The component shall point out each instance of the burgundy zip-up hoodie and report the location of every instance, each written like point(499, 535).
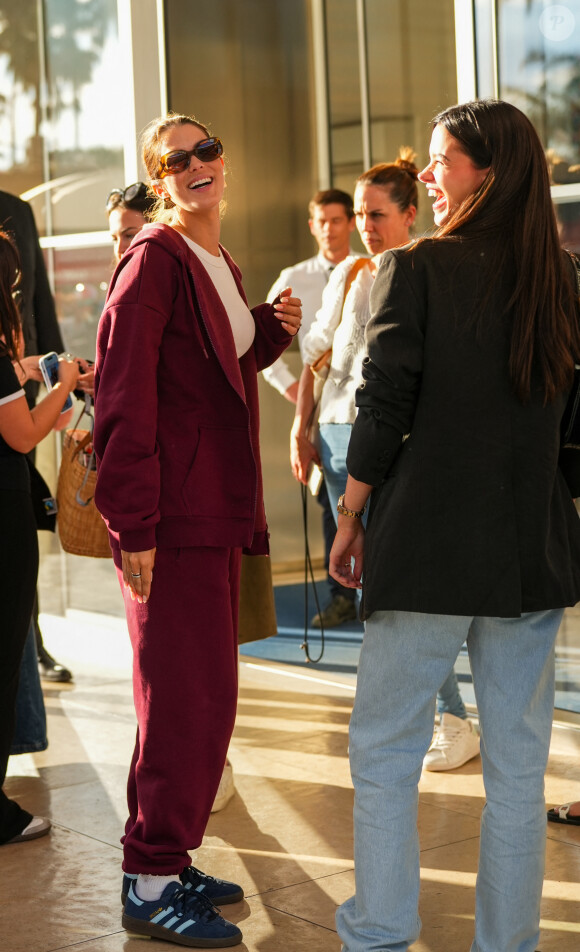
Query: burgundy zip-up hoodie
point(176, 411)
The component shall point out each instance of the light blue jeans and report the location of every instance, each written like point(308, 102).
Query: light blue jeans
point(404, 658)
point(334, 439)
point(449, 700)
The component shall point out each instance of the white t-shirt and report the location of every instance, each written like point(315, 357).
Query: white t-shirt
point(241, 320)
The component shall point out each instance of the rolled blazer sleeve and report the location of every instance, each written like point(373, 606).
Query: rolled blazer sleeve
point(392, 369)
point(126, 407)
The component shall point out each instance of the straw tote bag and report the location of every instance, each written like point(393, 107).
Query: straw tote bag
point(81, 527)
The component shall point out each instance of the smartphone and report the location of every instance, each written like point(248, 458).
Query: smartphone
point(314, 477)
point(49, 370)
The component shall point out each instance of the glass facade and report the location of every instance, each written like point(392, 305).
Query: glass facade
point(539, 71)
point(64, 138)
point(252, 85)
point(528, 52)
point(63, 141)
point(80, 284)
point(391, 68)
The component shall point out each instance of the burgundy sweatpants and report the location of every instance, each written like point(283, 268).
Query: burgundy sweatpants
point(185, 682)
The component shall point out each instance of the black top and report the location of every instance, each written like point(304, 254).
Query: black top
point(13, 466)
point(37, 310)
point(470, 514)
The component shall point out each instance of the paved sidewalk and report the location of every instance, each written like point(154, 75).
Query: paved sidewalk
point(286, 836)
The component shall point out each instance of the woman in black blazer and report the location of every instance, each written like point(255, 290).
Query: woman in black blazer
point(472, 532)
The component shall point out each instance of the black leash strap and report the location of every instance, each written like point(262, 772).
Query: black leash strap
point(309, 573)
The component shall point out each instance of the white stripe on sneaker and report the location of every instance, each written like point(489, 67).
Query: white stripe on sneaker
point(163, 914)
point(134, 897)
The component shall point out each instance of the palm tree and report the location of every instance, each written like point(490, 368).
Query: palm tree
point(74, 34)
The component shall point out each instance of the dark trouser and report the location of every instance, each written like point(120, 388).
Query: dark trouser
point(185, 682)
point(18, 572)
point(37, 632)
point(30, 728)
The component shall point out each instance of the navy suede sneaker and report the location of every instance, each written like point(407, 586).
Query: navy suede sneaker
point(182, 916)
point(218, 891)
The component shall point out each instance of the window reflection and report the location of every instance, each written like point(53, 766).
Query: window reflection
point(539, 71)
point(568, 216)
point(20, 108)
point(81, 278)
point(62, 152)
point(84, 140)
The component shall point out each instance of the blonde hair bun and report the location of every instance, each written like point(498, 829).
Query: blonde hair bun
point(406, 160)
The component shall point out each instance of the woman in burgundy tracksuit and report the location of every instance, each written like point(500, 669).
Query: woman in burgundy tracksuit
point(180, 487)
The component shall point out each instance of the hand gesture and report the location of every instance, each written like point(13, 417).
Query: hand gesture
point(348, 546)
point(289, 311)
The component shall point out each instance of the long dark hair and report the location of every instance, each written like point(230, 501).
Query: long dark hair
point(513, 205)
point(9, 281)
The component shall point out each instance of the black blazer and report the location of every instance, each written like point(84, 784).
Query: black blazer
point(470, 514)
point(39, 321)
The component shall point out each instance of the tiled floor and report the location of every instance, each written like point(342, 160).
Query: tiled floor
point(286, 835)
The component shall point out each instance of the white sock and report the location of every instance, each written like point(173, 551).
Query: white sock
point(149, 887)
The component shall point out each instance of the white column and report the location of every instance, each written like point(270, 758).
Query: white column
point(465, 51)
point(322, 117)
point(143, 86)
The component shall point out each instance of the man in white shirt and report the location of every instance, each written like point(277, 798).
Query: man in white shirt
point(331, 223)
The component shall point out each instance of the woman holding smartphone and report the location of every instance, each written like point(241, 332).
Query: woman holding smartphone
point(20, 430)
point(180, 486)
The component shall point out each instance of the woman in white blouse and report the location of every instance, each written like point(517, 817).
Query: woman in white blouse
point(385, 203)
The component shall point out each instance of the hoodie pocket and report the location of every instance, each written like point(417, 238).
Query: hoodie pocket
point(222, 476)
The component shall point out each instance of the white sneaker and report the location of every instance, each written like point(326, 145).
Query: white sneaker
point(225, 790)
point(38, 826)
point(455, 742)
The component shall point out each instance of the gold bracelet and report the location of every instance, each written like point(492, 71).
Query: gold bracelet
point(351, 513)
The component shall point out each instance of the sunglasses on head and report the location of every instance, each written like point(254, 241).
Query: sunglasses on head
point(173, 162)
point(137, 193)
